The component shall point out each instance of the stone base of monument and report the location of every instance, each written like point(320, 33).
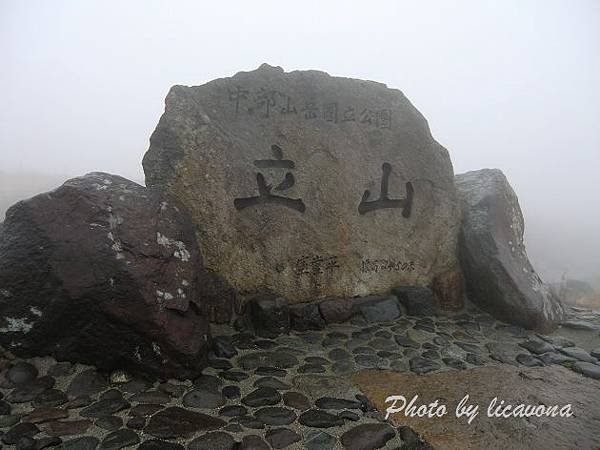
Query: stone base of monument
point(269, 315)
point(295, 390)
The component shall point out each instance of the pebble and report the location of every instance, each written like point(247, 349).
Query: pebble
point(86, 383)
point(337, 403)
point(319, 440)
point(120, 439)
point(155, 444)
point(21, 373)
point(109, 423)
point(253, 442)
point(81, 443)
point(217, 440)
point(274, 415)
point(270, 371)
point(199, 398)
point(263, 396)
point(296, 400)
point(231, 392)
point(537, 347)
point(588, 369)
point(423, 365)
point(281, 437)
point(578, 353)
point(529, 360)
point(367, 436)
point(175, 422)
point(18, 431)
point(320, 419)
point(272, 383)
point(233, 411)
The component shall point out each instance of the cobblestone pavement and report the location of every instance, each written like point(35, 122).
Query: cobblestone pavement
point(289, 392)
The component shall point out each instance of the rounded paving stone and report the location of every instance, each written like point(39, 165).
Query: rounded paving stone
point(156, 444)
point(217, 440)
point(455, 363)
point(296, 400)
point(61, 369)
point(529, 360)
point(338, 354)
point(319, 440)
point(81, 443)
point(233, 375)
point(587, 369)
point(278, 359)
point(109, 423)
point(537, 347)
point(22, 372)
point(274, 415)
point(423, 365)
point(474, 359)
point(136, 423)
point(155, 397)
point(272, 383)
point(120, 439)
point(405, 341)
point(208, 382)
point(18, 431)
point(253, 442)
point(367, 436)
point(249, 422)
point(86, 383)
point(233, 411)
point(349, 415)
point(231, 392)
point(198, 398)
point(26, 443)
point(5, 408)
point(270, 371)
point(311, 368)
point(263, 396)
point(317, 418)
point(337, 403)
point(282, 437)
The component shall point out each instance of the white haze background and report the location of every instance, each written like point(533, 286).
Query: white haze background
point(511, 84)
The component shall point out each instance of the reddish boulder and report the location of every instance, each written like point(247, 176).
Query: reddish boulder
point(106, 272)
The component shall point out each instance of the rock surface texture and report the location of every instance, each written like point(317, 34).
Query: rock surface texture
point(547, 386)
point(498, 274)
point(104, 271)
point(306, 185)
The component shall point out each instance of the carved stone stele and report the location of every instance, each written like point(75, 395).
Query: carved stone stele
point(307, 185)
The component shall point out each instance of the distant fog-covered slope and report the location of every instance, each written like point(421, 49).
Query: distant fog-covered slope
point(22, 185)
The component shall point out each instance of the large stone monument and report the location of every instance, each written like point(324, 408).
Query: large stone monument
point(307, 185)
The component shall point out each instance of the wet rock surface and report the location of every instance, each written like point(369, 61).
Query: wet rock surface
point(119, 261)
point(499, 277)
point(254, 177)
point(549, 386)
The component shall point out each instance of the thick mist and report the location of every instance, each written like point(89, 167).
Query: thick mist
point(513, 85)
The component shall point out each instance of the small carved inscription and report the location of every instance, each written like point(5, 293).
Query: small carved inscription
point(368, 265)
point(267, 103)
point(316, 265)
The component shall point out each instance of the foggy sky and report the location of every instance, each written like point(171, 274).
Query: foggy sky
point(511, 84)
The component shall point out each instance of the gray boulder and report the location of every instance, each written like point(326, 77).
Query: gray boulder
point(308, 185)
point(498, 275)
point(418, 301)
